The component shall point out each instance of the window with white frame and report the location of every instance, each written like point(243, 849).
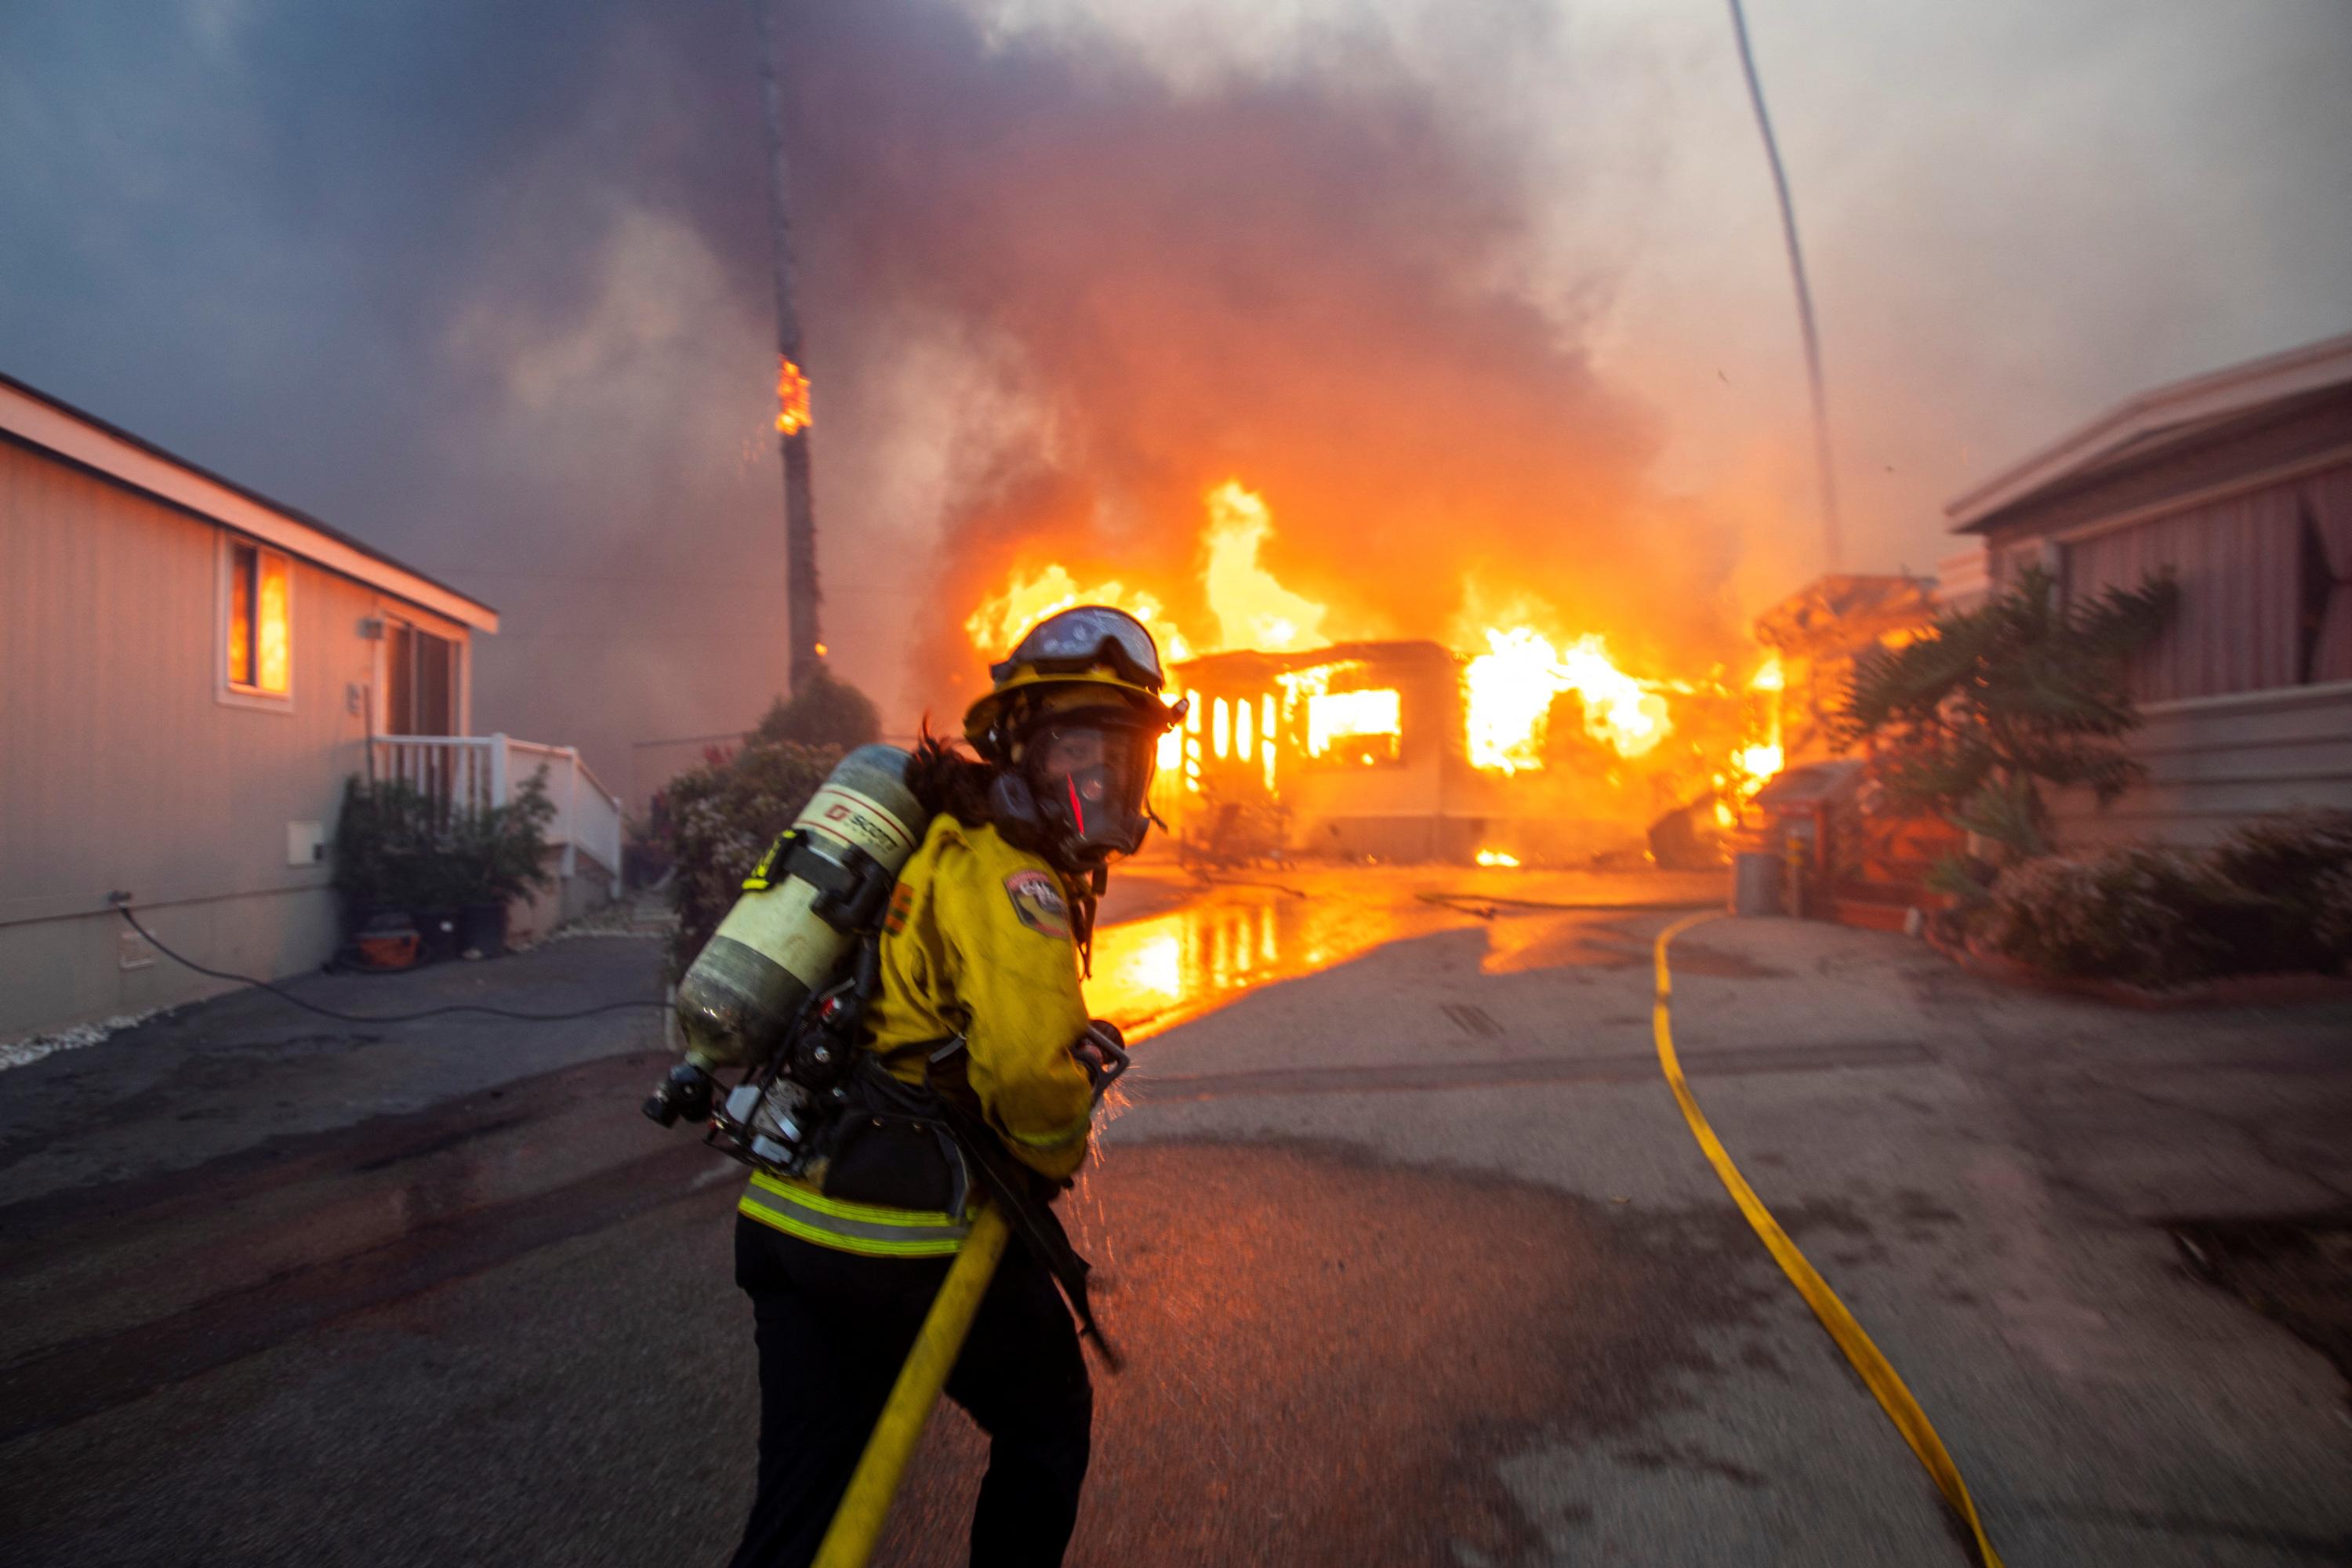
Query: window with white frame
point(257, 601)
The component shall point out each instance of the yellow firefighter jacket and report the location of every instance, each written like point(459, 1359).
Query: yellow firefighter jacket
point(978, 942)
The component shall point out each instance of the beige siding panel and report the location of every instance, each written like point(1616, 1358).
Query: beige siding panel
point(2211, 765)
point(2235, 561)
point(2263, 718)
point(2313, 757)
point(2241, 564)
point(122, 768)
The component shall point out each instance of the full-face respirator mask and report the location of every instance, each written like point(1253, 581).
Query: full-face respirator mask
point(1075, 783)
point(1073, 724)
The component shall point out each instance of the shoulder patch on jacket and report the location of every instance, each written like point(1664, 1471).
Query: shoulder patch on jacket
point(1038, 903)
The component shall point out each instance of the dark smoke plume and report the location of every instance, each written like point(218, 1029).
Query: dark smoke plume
point(489, 286)
point(1287, 279)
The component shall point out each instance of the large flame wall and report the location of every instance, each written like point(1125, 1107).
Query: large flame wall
point(1404, 747)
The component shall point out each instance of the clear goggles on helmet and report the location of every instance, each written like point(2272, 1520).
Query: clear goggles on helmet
point(1089, 772)
point(1084, 637)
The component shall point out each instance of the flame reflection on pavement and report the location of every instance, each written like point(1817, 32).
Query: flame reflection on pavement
point(1152, 974)
point(1223, 939)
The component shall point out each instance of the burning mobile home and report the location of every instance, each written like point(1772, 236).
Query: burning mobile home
point(1408, 750)
point(1351, 748)
point(1533, 747)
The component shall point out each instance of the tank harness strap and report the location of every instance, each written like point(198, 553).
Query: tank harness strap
point(763, 875)
point(851, 885)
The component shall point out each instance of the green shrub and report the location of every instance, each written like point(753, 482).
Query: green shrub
point(722, 817)
point(1974, 719)
point(383, 839)
point(2142, 915)
point(2274, 896)
point(398, 845)
point(500, 854)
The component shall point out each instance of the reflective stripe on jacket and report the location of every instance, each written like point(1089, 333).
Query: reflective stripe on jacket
point(977, 943)
point(798, 1209)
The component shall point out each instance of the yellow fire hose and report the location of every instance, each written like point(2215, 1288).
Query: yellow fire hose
point(856, 1525)
point(857, 1522)
point(1876, 1371)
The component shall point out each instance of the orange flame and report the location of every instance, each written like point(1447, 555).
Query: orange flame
point(792, 397)
point(1363, 724)
point(1333, 716)
point(1028, 599)
point(1509, 691)
point(1756, 763)
point(1252, 609)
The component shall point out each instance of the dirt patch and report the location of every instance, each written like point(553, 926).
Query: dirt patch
point(2295, 1272)
point(1312, 1378)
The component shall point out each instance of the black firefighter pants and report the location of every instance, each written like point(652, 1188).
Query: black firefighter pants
point(834, 1328)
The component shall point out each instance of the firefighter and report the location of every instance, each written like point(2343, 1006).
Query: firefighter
point(982, 945)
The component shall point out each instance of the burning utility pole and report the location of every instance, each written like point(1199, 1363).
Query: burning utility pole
point(801, 595)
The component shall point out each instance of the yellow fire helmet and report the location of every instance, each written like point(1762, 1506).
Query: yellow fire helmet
point(1072, 722)
point(1090, 657)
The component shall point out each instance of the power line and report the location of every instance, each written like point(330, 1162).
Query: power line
point(285, 996)
point(1832, 546)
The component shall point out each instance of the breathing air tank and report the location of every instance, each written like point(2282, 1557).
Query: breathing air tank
point(825, 879)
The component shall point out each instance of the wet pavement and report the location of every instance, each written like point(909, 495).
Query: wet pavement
point(1410, 1257)
point(1202, 943)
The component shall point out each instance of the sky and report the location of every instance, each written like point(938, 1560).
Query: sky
point(1479, 297)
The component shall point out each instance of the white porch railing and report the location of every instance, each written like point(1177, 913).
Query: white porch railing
point(476, 772)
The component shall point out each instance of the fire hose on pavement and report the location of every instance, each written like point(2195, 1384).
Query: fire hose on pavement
point(1867, 1360)
point(856, 1525)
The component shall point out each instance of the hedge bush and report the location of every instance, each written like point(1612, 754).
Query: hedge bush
point(2275, 896)
point(395, 843)
point(2299, 863)
point(2139, 915)
point(722, 817)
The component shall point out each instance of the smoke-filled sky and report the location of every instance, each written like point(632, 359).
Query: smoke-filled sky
point(1480, 297)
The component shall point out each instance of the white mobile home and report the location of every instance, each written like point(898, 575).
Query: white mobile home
point(189, 672)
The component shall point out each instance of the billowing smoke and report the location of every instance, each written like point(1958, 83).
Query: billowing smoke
point(1290, 278)
point(1467, 292)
